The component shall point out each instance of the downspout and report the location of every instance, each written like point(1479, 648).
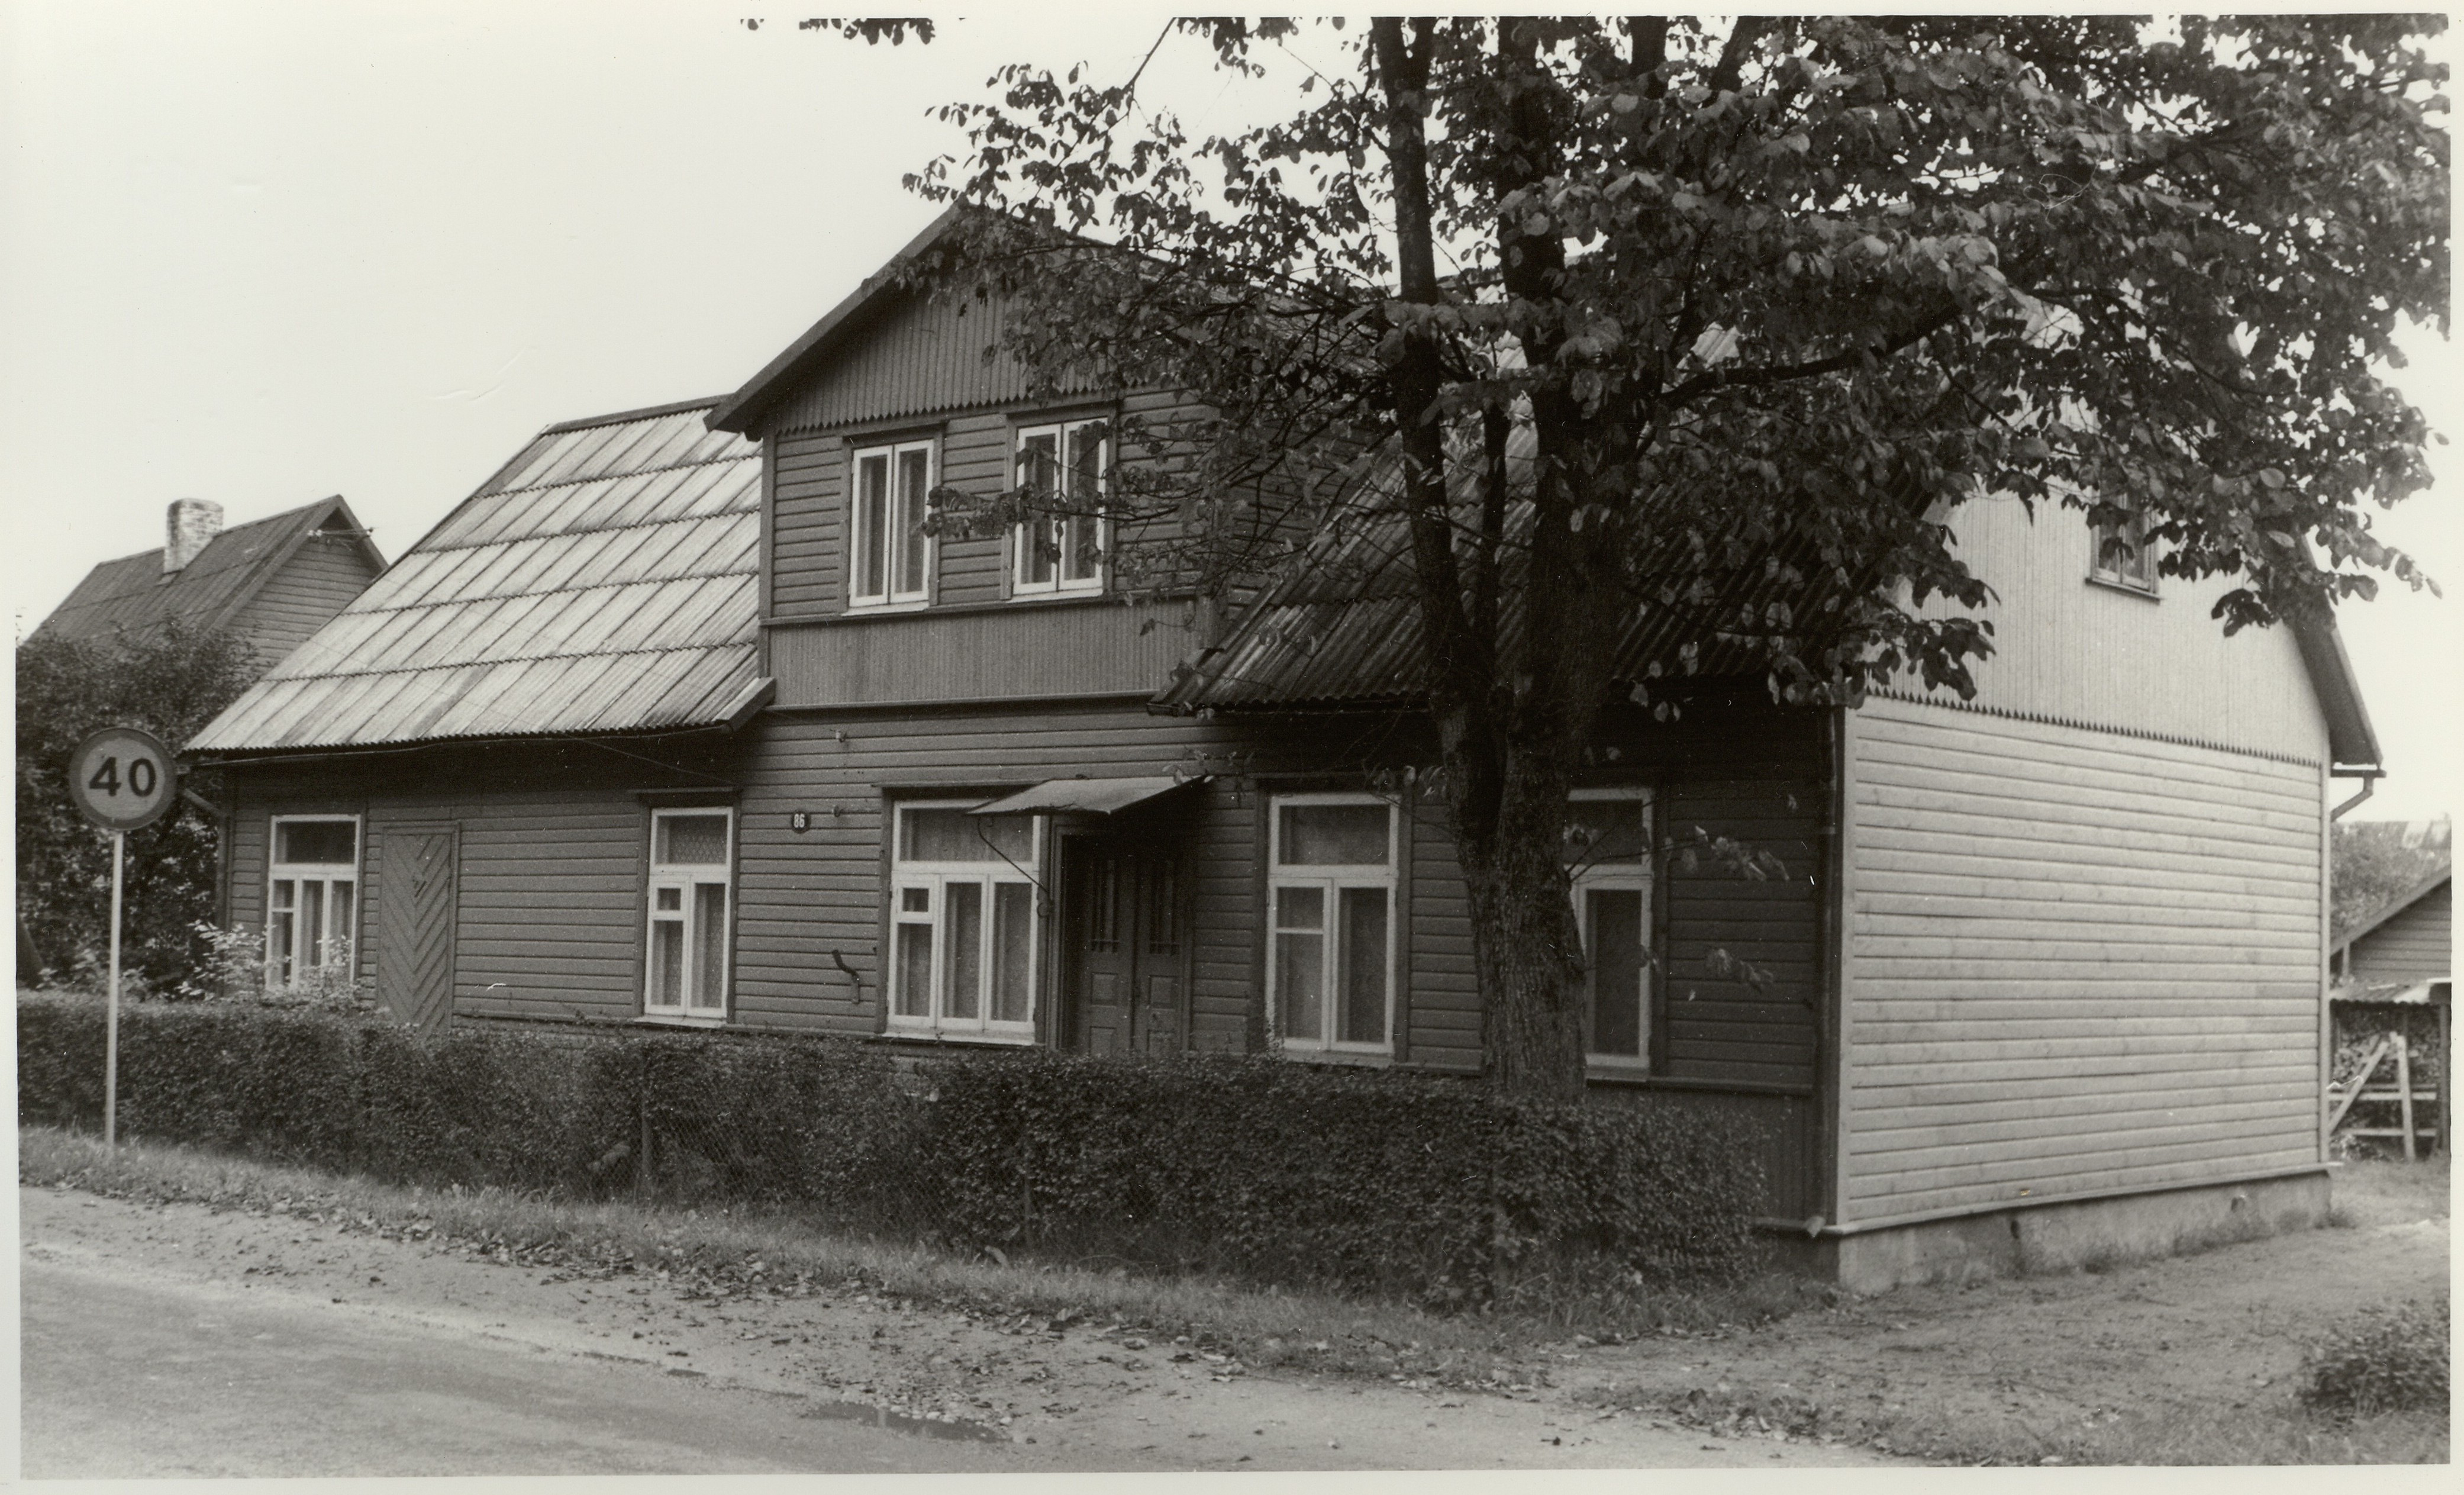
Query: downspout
point(2370, 782)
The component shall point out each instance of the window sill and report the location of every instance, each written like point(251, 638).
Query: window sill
point(936, 1036)
point(2146, 594)
point(679, 1019)
point(1611, 1071)
point(1068, 594)
point(1360, 1059)
point(856, 609)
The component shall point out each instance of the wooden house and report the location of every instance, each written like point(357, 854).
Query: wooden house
point(686, 717)
point(273, 581)
point(2393, 984)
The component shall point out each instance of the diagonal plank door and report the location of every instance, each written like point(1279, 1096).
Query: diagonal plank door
point(415, 906)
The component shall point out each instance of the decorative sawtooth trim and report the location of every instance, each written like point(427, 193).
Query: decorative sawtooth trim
point(2047, 718)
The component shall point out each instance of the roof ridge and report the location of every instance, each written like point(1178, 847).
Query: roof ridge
point(620, 417)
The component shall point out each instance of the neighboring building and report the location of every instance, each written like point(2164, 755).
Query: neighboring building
point(2408, 945)
point(686, 717)
point(273, 582)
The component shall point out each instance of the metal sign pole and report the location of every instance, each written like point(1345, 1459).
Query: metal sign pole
point(111, 1041)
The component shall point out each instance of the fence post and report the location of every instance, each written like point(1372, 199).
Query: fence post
point(2404, 1089)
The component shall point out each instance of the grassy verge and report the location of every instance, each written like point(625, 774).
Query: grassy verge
point(738, 1250)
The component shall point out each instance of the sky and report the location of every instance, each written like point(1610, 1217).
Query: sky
point(259, 253)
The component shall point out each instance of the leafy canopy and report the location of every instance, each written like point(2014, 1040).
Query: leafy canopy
point(1810, 284)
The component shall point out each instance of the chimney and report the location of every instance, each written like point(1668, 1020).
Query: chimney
point(191, 525)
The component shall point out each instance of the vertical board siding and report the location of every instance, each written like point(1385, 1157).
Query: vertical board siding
point(2416, 945)
point(319, 580)
point(2076, 961)
point(1040, 649)
point(2068, 649)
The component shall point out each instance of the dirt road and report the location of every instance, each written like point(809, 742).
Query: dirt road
point(265, 1345)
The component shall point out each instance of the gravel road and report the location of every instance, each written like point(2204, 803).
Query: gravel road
point(174, 1339)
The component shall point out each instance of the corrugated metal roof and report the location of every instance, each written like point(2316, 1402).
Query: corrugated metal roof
point(132, 593)
point(607, 579)
point(1344, 631)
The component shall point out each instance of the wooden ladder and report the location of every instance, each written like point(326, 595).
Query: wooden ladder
point(2401, 1092)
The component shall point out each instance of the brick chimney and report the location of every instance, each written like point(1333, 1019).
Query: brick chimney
point(191, 525)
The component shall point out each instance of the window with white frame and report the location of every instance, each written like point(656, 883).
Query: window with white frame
point(1608, 861)
point(1330, 903)
point(2122, 556)
point(689, 858)
point(890, 556)
point(1061, 465)
point(312, 895)
point(963, 922)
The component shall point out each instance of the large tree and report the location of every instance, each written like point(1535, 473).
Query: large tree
point(1723, 320)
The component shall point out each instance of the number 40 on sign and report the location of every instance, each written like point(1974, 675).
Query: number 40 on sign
point(122, 779)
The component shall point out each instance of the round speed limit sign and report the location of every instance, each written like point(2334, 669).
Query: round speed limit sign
point(123, 778)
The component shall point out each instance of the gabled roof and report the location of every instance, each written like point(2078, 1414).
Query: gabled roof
point(606, 579)
point(1344, 631)
point(208, 592)
point(2423, 889)
point(741, 411)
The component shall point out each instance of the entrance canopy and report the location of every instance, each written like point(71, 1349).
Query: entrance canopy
point(1082, 795)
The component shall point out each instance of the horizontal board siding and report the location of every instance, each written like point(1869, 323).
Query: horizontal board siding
point(319, 580)
point(1037, 649)
point(2066, 648)
point(2063, 977)
point(1755, 1020)
point(808, 525)
point(2416, 945)
point(549, 896)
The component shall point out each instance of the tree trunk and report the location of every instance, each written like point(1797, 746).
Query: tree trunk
point(1527, 947)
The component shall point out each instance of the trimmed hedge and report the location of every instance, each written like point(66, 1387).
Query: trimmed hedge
point(1365, 1180)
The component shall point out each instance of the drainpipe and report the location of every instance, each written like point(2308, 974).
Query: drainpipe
point(2369, 781)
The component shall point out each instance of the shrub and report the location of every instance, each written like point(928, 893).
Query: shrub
point(1399, 1184)
point(2394, 1360)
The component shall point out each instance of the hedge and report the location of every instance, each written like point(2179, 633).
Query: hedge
point(1392, 1183)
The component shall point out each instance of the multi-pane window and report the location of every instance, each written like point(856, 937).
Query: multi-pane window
point(1331, 902)
point(312, 895)
point(962, 923)
point(889, 557)
point(1607, 857)
point(2122, 555)
point(1061, 467)
point(689, 857)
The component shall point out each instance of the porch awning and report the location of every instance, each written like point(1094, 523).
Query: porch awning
point(1082, 796)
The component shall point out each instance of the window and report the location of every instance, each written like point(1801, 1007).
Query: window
point(963, 923)
point(889, 557)
point(689, 857)
point(314, 879)
point(2124, 556)
point(1062, 466)
point(1331, 901)
point(1608, 859)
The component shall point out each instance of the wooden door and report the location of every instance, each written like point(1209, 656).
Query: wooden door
point(1123, 946)
point(416, 907)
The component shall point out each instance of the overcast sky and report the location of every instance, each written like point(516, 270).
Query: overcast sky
point(260, 253)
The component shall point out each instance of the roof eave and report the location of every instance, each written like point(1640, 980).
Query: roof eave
point(2352, 743)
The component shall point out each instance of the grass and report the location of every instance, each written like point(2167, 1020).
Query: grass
point(742, 1251)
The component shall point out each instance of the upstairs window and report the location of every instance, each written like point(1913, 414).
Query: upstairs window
point(889, 553)
point(1061, 465)
point(2124, 556)
point(690, 862)
point(962, 923)
point(1608, 861)
point(312, 896)
point(1331, 898)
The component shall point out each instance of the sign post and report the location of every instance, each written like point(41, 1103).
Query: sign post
point(122, 779)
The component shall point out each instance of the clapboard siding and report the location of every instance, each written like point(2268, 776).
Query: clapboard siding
point(2068, 649)
point(2075, 960)
point(319, 580)
point(2416, 945)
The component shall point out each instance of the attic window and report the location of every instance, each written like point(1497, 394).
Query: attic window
point(891, 559)
point(2124, 556)
point(1061, 468)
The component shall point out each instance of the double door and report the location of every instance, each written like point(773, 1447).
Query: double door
point(1124, 946)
